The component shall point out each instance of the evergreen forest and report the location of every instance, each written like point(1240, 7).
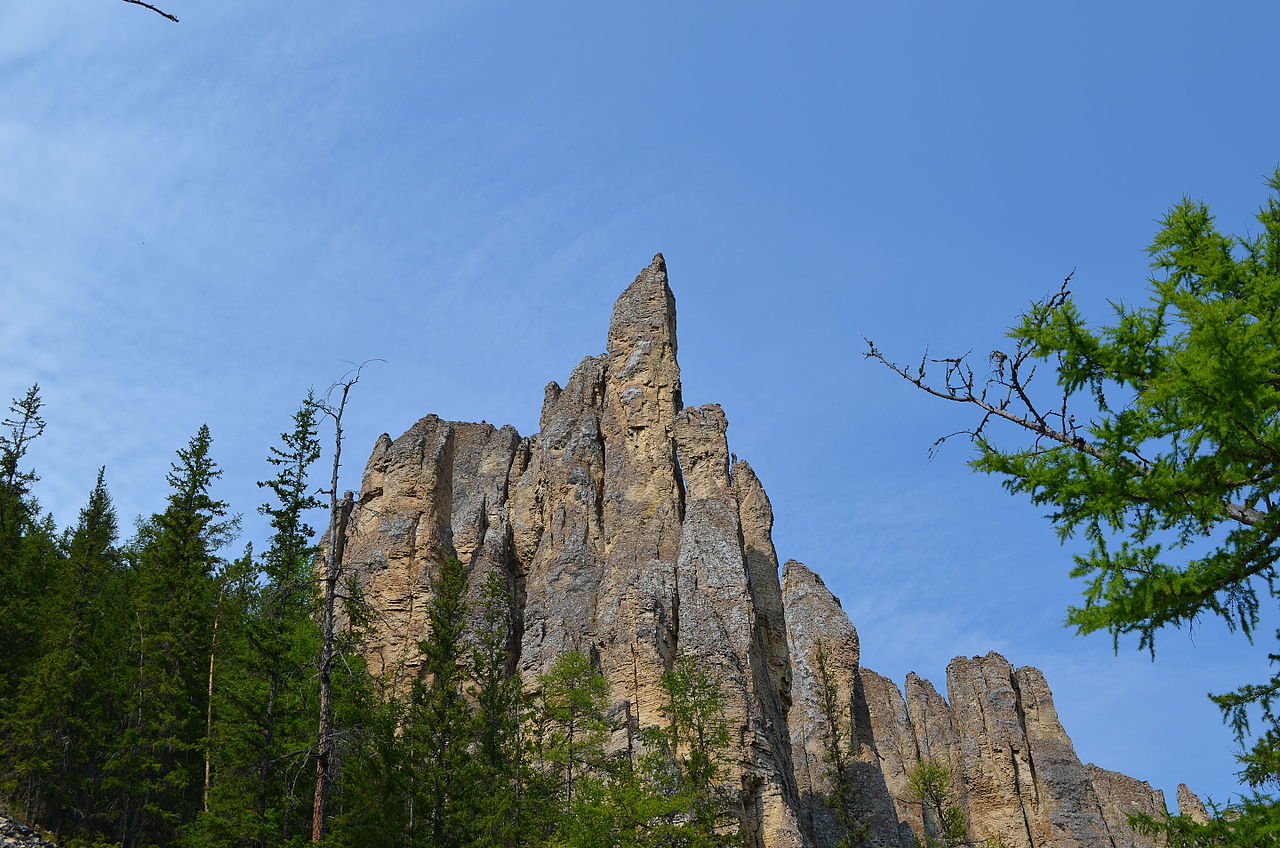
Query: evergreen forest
point(156, 690)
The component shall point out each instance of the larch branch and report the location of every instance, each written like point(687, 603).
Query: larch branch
point(964, 394)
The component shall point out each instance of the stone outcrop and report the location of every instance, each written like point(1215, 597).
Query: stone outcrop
point(1120, 796)
point(14, 834)
point(1190, 805)
point(626, 529)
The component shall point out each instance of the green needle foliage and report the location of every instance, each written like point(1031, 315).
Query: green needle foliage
point(499, 816)
point(159, 763)
point(698, 734)
point(438, 727)
point(1159, 445)
point(28, 548)
point(54, 737)
point(673, 793)
point(569, 724)
point(267, 639)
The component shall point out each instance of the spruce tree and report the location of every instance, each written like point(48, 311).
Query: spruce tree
point(498, 763)
point(264, 697)
point(439, 725)
point(371, 802)
point(28, 551)
point(156, 770)
point(64, 710)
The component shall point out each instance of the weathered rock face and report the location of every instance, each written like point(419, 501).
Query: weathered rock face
point(624, 531)
point(1119, 796)
point(1190, 805)
point(830, 721)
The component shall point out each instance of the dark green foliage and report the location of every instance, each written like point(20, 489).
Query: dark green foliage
point(371, 800)
point(159, 763)
point(267, 641)
point(1159, 445)
point(24, 426)
point(445, 766)
point(55, 733)
point(27, 549)
point(438, 726)
point(498, 764)
point(159, 695)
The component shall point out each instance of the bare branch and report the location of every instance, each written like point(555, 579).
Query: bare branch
point(960, 385)
point(964, 394)
point(162, 13)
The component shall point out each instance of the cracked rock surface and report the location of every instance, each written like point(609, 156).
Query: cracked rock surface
point(627, 530)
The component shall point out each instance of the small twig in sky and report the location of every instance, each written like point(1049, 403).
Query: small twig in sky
point(161, 12)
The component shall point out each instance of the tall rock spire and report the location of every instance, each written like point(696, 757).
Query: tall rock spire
point(624, 532)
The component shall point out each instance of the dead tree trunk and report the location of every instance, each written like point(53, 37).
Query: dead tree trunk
point(339, 512)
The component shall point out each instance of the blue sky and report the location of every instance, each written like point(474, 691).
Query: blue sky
point(198, 221)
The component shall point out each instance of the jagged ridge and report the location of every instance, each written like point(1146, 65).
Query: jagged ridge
point(626, 532)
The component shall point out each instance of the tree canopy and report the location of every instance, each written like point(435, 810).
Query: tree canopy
point(1158, 442)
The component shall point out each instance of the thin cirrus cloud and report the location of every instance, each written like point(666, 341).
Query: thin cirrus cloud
point(198, 221)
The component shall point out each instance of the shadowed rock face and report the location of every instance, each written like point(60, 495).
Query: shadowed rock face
point(1119, 796)
point(830, 708)
point(626, 529)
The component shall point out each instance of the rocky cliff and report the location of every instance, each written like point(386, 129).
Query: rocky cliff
point(626, 530)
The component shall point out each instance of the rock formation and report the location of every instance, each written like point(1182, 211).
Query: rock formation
point(14, 834)
point(1190, 805)
point(626, 531)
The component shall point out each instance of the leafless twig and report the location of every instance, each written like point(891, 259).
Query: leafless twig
point(1004, 394)
point(161, 12)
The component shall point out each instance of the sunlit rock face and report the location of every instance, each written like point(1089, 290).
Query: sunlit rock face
point(627, 530)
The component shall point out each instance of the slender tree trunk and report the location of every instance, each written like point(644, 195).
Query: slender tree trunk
point(268, 742)
point(324, 746)
point(339, 511)
point(208, 712)
point(208, 718)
